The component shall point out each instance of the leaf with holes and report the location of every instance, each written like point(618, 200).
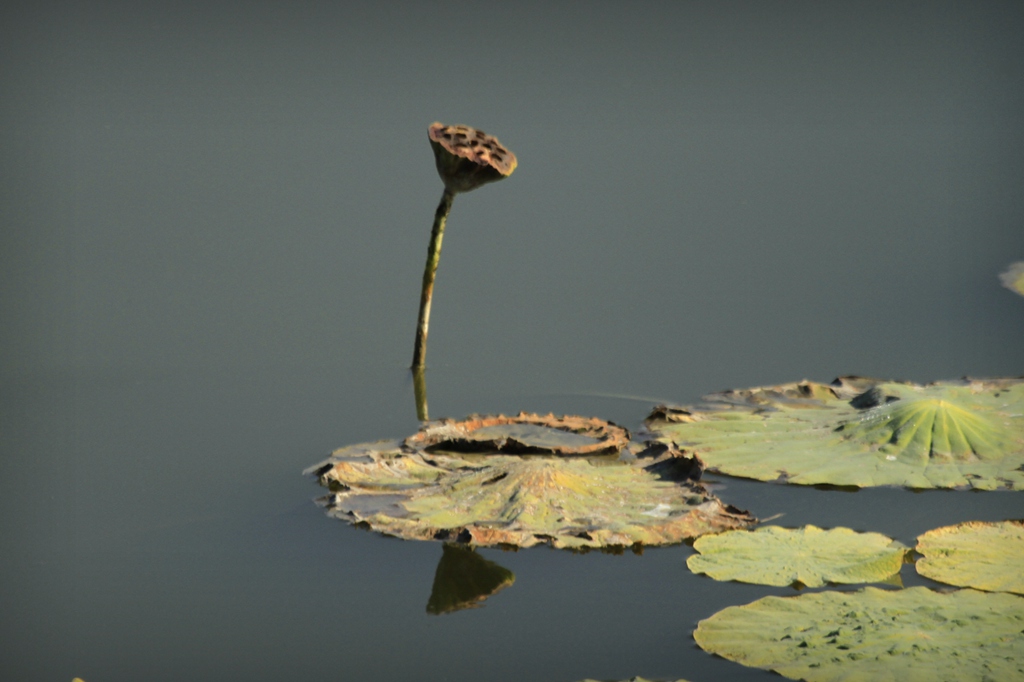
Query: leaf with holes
point(859, 432)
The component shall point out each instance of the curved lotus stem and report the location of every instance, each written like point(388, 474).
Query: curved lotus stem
point(419, 354)
point(466, 159)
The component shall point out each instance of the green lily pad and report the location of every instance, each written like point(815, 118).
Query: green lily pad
point(772, 555)
point(874, 634)
point(986, 556)
point(1013, 278)
point(859, 432)
point(486, 499)
point(464, 579)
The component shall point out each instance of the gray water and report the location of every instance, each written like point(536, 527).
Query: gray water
point(214, 220)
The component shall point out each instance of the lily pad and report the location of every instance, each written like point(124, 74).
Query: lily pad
point(522, 434)
point(635, 679)
point(859, 432)
point(497, 499)
point(464, 579)
point(1013, 278)
point(772, 555)
point(874, 634)
point(986, 556)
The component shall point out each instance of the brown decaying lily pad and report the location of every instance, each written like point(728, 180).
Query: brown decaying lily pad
point(413, 489)
point(477, 434)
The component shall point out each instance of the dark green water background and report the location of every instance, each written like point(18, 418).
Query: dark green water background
point(214, 219)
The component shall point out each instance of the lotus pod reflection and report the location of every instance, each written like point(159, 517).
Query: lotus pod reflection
point(464, 579)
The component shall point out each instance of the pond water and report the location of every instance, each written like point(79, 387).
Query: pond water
point(214, 231)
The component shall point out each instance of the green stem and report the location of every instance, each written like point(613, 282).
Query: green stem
point(419, 383)
point(419, 356)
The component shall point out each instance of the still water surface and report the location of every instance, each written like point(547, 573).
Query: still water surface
point(166, 532)
point(214, 229)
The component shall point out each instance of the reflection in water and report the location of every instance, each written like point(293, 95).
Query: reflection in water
point(419, 387)
point(464, 579)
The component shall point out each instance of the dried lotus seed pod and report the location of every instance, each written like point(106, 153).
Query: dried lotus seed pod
point(468, 158)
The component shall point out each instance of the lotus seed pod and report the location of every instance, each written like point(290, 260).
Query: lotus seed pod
point(468, 158)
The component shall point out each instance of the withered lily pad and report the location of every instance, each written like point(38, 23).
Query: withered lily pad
point(874, 634)
point(1013, 278)
point(464, 579)
point(634, 679)
point(810, 556)
point(523, 434)
point(986, 556)
point(488, 499)
point(860, 432)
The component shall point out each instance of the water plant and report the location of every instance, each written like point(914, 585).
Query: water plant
point(809, 556)
point(568, 482)
point(634, 679)
point(466, 158)
point(874, 634)
point(985, 556)
point(859, 432)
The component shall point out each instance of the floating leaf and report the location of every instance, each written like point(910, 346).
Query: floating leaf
point(464, 579)
point(495, 499)
point(860, 432)
point(772, 555)
point(522, 435)
point(635, 679)
point(987, 556)
point(874, 634)
point(1013, 278)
